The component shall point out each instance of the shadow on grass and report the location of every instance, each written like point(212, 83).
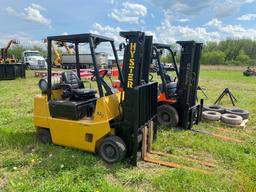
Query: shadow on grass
point(17, 139)
point(174, 129)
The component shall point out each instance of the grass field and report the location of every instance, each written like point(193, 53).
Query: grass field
point(26, 165)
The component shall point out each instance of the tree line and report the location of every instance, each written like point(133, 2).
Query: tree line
point(227, 52)
point(16, 51)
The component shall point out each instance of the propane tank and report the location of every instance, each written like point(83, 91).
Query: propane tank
point(56, 80)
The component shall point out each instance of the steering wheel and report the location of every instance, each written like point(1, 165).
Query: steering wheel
point(102, 74)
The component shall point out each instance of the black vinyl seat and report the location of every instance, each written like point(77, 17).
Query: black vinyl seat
point(170, 89)
point(84, 91)
point(74, 89)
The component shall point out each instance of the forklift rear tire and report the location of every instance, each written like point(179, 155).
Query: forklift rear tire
point(44, 136)
point(112, 149)
point(167, 115)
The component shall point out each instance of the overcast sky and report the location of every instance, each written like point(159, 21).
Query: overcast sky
point(168, 20)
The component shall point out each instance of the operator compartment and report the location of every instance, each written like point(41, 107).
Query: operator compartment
point(170, 89)
point(170, 85)
point(71, 100)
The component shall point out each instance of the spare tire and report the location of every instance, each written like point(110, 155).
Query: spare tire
point(243, 113)
point(231, 119)
point(211, 115)
point(217, 108)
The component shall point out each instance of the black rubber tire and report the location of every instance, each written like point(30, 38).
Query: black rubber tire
point(211, 115)
point(44, 136)
point(28, 67)
point(167, 115)
point(249, 73)
point(217, 108)
point(231, 119)
point(241, 112)
point(112, 149)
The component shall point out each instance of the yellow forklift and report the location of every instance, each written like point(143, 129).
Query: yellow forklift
point(57, 58)
point(115, 124)
point(105, 120)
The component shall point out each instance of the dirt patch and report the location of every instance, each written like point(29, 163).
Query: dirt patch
point(3, 182)
point(29, 149)
point(112, 179)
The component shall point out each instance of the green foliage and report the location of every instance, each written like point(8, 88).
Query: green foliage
point(213, 57)
point(243, 58)
point(17, 50)
point(236, 52)
point(41, 50)
point(211, 46)
point(227, 52)
point(166, 59)
point(252, 62)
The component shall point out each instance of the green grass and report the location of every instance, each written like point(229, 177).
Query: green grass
point(26, 165)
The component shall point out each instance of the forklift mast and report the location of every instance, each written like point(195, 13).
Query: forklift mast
point(189, 112)
point(137, 54)
point(140, 99)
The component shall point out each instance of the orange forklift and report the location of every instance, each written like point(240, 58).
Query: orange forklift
point(177, 98)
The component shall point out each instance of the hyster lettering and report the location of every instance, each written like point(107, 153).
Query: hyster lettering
point(131, 65)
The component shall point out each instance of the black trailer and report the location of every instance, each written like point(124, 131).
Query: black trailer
point(12, 71)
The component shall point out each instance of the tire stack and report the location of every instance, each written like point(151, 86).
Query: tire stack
point(233, 116)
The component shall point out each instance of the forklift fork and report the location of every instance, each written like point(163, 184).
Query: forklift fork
point(148, 152)
point(219, 136)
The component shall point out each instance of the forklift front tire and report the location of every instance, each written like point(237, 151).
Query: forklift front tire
point(112, 149)
point(167, 115)
point(44, 136)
